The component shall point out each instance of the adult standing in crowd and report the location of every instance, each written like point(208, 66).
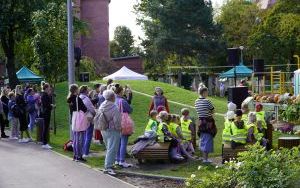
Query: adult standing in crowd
point(110, 129)
point(207, 128)
point(78, 137)
point(128, 94)
point(2, 124)
point(124, 107)
point(31, 101)
point(46, 109)
point(159, 100)
point(84, 91)
point(5, 100)
point(21, 104)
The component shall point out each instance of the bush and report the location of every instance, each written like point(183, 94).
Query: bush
point(88, 65)
point(255, 168)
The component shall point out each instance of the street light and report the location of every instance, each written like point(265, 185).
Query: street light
point(241, 48)
point(71, 69)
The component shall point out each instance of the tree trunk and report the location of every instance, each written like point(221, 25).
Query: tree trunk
point(8, 45)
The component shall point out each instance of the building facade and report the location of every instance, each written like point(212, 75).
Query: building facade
point(96, 44)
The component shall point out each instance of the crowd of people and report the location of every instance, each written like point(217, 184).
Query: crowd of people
point(242, 126)
point(19, 109)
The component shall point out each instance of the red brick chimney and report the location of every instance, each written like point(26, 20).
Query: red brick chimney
point(96, 14)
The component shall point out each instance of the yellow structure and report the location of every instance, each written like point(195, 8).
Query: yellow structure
point(277, 79)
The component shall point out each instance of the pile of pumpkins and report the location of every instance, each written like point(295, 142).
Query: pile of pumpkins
point(286, 98)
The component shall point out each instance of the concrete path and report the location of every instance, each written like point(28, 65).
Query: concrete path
point(30, 166)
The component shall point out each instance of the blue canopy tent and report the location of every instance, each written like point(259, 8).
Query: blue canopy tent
point(26, 75)
point(240, 71)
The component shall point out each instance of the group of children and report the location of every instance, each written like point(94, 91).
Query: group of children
point(175, 129)
point(242, 126)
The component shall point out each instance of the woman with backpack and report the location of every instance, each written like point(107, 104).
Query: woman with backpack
point(124, 107)
point(21, 105)
point(159, 101)
point(109, 123)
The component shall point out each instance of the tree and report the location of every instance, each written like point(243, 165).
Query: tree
point(15, 25)
point(123, 43)
point(50, 40)
point(182, 31)
point(238, 18)
point(277, 36)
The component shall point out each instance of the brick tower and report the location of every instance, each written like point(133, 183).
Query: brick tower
point(96, 14)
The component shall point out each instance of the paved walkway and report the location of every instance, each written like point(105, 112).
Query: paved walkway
point(29, 166)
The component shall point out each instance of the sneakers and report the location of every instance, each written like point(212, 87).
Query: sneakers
point(23, 140)
point(86, 156)
point(207, 161)
point(109, 171)
point(30, 140)
point(13, 138)
point(125, 165)
point(46, 146)
point(4, 136)
point(82, 160)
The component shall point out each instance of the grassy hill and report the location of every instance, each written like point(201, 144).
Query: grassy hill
point(140, 106)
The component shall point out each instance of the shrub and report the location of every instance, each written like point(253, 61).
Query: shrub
point(255, 168)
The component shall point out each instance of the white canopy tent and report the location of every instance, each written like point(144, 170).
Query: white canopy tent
point(126, 74)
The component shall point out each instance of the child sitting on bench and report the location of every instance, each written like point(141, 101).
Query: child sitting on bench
point(253, 134)
point(152, 125)
point(188, 131)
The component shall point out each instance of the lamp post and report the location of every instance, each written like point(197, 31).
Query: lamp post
point(71, 69)
point(241, 48)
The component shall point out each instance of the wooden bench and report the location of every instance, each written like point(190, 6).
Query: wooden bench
point(229, 153)
point(158, 151)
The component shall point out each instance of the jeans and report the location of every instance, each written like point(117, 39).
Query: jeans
point(14, 131)
point(87, 139)
point(32, 117)
point(78, 138)
point(111, 139)
point(122, 149)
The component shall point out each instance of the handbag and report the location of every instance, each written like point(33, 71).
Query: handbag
point(89, 116)
point(126, 122)
point(79, 120)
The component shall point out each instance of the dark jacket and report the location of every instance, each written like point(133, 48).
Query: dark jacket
point(72, 104)
point(46, 103)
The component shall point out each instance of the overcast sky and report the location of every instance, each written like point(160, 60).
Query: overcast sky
point(121, 13)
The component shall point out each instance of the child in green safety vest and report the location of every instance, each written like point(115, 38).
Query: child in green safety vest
point(238, 130)
point(260, 117)
point(227, 131)
point(152, 125)
point(245, 110)
point(188, 130)
point(253, 134)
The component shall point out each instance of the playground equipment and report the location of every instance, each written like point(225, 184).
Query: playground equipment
point(277, 79)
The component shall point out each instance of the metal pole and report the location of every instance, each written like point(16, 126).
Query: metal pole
point(71, 69)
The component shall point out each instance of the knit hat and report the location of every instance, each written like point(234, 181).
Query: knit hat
point(230, 115)
point(231, 106)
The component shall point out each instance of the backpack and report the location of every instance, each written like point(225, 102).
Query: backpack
point(100, 121)
point(68, 146)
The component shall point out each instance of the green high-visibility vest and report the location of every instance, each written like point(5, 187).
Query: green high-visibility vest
point(172, 127)
point(160, 133)
point(260, 116)
point(149, 125)
point(258, 136)
point(226, 135)
point(186, 132)
point(245, 118)
point(238, 135)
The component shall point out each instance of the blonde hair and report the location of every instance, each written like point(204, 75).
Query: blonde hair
point(18, 90)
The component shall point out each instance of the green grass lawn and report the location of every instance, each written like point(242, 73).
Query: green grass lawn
point(140, 106)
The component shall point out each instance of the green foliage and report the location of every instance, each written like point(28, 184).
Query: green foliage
point(277, 37)
point(291, 113)
point(123, 43)
point(255, 168)
point(176, 32)
point(49, 42)
point(238, 19)
point(88, 65)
